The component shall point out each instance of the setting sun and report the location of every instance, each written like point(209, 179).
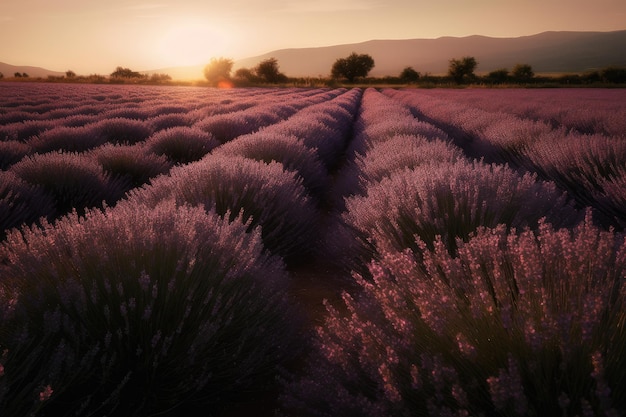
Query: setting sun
point(192, 42)
point(95, 37)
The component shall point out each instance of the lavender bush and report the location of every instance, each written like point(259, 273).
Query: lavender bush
point(71, 139)
point(122, 131)
point(21, 202)
point(516, 324)
point(400, 153)
point(181, 145)
point(11, 151)
point(265, 194)
point(133, 164)
point(73, 180)
point(139, 311)
point(452, 200)
point(289, 151)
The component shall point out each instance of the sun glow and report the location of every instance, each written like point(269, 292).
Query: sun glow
point(189, 42)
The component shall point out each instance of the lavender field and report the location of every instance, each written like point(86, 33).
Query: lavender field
point(180, 251)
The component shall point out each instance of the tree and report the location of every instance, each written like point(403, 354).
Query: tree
point(523, 72)
point(267, 70)
point(462, 69)
point(353, 66)
point(18, 75)
point(160, 78)
point(613, 75)
point(24, 75)
point(70, 74)
point(1, 75)
point(217, 70)
point(121, 72)
point(409, 75)
point(246, 74)
point(498, 76)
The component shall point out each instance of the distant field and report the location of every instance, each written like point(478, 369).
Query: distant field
point(168, 251)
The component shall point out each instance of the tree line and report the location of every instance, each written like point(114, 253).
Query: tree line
point(356, 68)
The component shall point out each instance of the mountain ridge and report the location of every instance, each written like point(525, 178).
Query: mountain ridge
point(546, 52)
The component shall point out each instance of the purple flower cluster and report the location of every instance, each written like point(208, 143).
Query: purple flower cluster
point(447, 196)
point(137, 310)
point(153, 241)
point(583, 165)
point(516, 323)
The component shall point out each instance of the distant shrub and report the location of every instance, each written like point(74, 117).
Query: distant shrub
point(265, 194)
point(21, 203)
point(140, 311)
point(515, 325)
point(289, 151)
point(181, 145)
point(75, 181)
point(134, 164)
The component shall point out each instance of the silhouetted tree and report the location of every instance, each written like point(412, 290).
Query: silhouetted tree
point(523, 72)
point(24, 75)
point(267, 70)
point(160, 78)
point(498, 76)
point(613, 75)
point(218, 69)
point(409, 75)
point(245, 74)
point(355, 65)
point(1, 75)
point(121, 72)
point(18, 75)
point(70, 74)
point(462, 69)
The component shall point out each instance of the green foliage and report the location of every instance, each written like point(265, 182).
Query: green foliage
point(462, 69)
point(409, 75)
point(245, 74)
point(160, 78)
point(267, 71)
point(499, 75)
point(523, 72)
point(121, 72)
point(353, 66)
point(613, 75)
point(218, 70)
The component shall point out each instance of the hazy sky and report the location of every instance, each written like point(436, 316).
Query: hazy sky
point(95, 36)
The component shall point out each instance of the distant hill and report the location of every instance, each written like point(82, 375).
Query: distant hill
point(548, 52)
point(8, 70)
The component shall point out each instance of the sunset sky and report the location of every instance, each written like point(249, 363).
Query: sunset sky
point(89, 36)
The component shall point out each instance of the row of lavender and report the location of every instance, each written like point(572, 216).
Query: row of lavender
point(176, 298)
point(486, 294)
point(59, 167)
point(467, 300)
point(590, 167)
point(589, 111)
